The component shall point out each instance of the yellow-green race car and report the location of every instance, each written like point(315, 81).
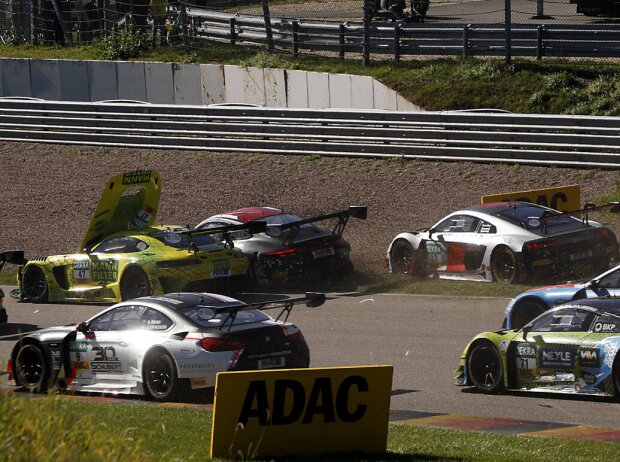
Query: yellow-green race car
point(124, 255)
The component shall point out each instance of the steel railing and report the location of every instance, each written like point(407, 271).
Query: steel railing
point(448, 136)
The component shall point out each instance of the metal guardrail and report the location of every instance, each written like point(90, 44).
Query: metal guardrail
point(398, 39)
point(574, 141)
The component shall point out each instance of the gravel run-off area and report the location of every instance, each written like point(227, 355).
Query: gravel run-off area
point(49, 192)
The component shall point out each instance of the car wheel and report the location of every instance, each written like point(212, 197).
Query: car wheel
point(525, 311)
point(402, 257)
point(31, 369)
point(485, 369)
point(161, 381)
point(616, 377)
point(504, 265)
point(134, 283)
point(34, 284)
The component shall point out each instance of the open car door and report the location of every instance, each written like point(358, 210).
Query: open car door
point(129, 201)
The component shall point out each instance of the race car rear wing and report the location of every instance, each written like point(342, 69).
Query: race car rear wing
point(614, 207)
point(311, 300)
point(354, 211)
point(253, 227)
point(13, 257)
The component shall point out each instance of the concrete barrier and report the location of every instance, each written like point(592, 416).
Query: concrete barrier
point(193, 84)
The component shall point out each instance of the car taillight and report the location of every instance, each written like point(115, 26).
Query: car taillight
point(541, 245)
point(293, 334)
point(177, 263)
point(284, 253)
point(602, 233)
point(9, 369)
point(220, 344)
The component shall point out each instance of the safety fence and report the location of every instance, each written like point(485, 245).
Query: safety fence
point(580, 141)
point(388, 28)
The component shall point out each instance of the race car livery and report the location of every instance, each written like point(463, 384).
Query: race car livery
point(291, 246)
point(124, 255)
point(572, 348)
point(507, 242)
point(529, 304)
point(162, 346)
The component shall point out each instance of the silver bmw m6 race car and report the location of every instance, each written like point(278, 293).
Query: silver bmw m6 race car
point(162, 346)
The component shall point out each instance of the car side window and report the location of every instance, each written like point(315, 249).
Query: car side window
point(486, 228)
point(458, 224)
point(124, 244)
point(606, 324)
point(155, 320)
point(122, 318)
point(568, 320)
point(610, 281)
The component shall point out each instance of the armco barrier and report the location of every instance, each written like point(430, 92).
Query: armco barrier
point(453, 136)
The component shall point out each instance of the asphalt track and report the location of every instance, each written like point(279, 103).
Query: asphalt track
point(422, 337)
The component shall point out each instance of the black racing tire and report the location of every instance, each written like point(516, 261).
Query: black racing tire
point(34, 284)
point(525, 311)
point(485, 368)
point(31, 368)
point(403, 257)
point(615, 377)
point(504, 266)
point(135, 283)
point(160, 377)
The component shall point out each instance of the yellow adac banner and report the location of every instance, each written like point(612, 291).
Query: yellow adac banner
point(294, 412)
point(565, 198)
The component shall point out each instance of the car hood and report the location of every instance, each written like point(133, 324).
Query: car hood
point(129, 201)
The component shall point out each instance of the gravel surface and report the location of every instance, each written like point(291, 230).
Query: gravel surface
point(48, 192)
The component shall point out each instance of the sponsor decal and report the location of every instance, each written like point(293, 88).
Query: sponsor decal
point(589, 357)
point(142, 218)
point(137, 177)
point(503, 345)
point(105, 360)
point(605, 327)
point(589, 379)
point(81, 270)
point(525, 356)
point(197, 366)
point(79, 364)
point(221, 268)
point(610, 353)
point(79, 346)
point(564, 198)
point(104, 271)
point(556, 358)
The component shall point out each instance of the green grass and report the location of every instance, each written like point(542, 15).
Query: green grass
point(8, 278)
point(548, 86)
point(67, 430)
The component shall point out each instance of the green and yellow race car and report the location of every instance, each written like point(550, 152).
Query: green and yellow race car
point(124, 255)
point(573, 348)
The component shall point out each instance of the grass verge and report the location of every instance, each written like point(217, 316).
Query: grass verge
point(63, 429)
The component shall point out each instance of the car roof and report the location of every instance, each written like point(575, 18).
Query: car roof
point(182, 300)
point(494, 207)
point(252, 213)
point(601, 304)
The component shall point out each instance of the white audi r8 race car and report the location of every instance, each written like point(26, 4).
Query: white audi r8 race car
point(162, 346)
point(508, 242)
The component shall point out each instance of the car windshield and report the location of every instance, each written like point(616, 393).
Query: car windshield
point(530, 217)
point(175, 238)
point(208, 317)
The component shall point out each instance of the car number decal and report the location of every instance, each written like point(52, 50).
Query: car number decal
point(81, 270)
point(221, 268)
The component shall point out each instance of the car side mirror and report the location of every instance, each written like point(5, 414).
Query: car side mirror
point(526, 330)
point(82, 327)
point(86, 250)
point(430, 231)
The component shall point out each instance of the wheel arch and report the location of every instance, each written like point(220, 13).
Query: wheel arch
point(510, 312)
point(502, 354)
point(411, 238)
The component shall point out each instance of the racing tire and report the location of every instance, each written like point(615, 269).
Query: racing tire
point(504, 267)
point(31, 369)
point(485, 369)
point(525, 312)
point(402, 257)
point(134, 284)
point(34, 284)
point(615, 374)
point(161, 380)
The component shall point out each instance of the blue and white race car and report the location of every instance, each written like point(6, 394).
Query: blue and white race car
point(529, 304)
